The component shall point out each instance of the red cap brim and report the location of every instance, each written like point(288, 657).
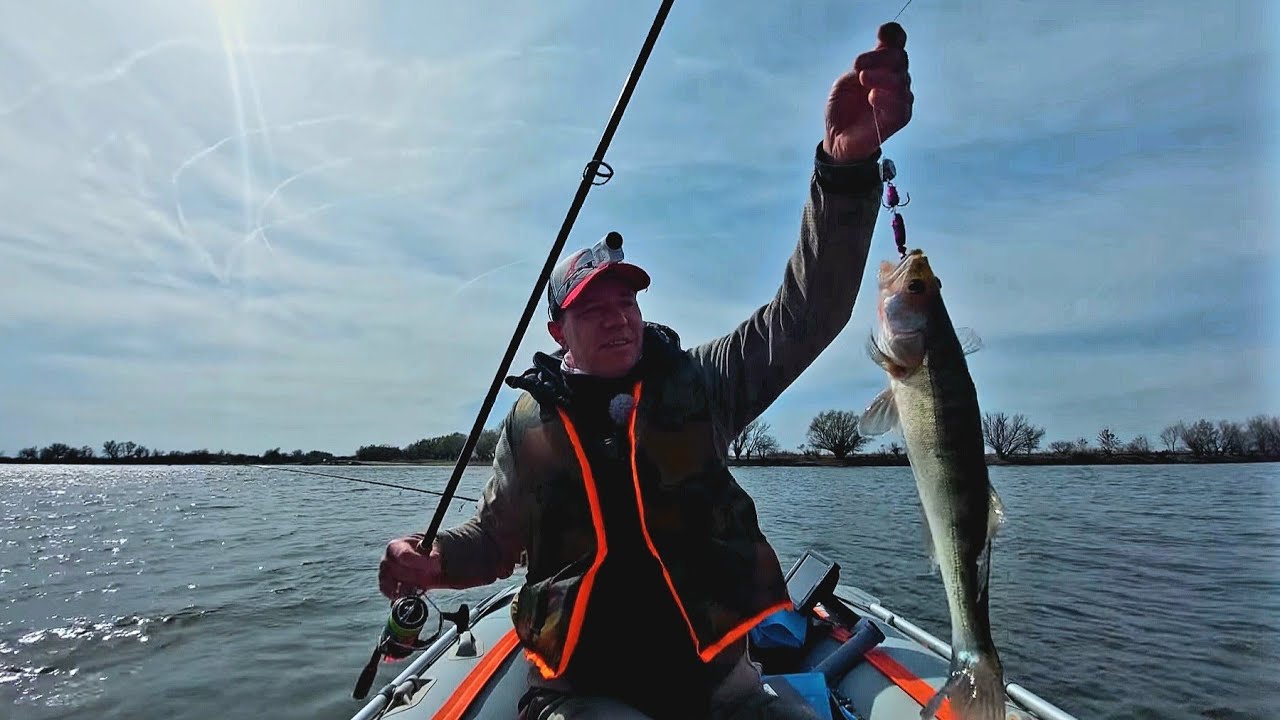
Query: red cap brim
point(633, 275)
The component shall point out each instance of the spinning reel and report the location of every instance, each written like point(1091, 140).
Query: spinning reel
point(402, 635)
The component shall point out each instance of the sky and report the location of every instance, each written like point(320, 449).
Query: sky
point(241, 226)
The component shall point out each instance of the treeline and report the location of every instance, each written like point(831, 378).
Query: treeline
point(443, 447)
point(1258, 437)
point(831, 434)
point(834, 433)
point(130, 452)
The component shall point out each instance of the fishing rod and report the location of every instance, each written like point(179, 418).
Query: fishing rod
point(589, 174)
point(408, 615)
point(360, 480)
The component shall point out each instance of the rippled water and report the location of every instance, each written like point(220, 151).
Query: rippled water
point(194, 592)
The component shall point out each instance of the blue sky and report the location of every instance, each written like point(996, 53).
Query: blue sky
point(249, 225)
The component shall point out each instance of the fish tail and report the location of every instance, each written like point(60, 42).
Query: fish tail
point(975, 688)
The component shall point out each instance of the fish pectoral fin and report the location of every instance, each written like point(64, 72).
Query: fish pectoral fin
point(881, 358)
point(881, 415)
point(970, 343)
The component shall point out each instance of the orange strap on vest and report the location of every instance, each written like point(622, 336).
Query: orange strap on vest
point(579, 610)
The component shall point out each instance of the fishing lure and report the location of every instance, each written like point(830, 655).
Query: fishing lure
point(888, 171)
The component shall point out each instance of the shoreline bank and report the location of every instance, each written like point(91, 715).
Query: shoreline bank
point(857, 460)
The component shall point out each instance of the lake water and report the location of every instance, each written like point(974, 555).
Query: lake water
point(200, 592)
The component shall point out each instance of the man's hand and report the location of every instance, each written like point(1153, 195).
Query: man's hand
point(406, 570)
point(877, 83)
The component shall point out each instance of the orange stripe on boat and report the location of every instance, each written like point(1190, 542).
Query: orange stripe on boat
point(918, 689)
point(839, 632)
point(476, 680)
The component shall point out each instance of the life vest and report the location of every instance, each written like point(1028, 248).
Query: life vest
point(698, 523)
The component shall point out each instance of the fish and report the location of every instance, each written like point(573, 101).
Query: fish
point(931, 399)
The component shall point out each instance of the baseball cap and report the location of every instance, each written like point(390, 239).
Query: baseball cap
point(575, 272)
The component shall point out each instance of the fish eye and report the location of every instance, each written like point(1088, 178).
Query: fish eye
point(916, 286)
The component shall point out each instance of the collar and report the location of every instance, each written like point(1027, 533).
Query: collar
point(545, 380)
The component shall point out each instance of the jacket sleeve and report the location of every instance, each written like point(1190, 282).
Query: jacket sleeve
point(748, 368)
point(489, 545)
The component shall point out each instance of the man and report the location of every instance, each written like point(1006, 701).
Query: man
point(610, 476)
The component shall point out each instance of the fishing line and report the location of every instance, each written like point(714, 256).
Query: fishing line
point(879, 139)
point(359, 480)
point(888, 171)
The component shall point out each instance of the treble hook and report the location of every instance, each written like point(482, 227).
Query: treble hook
point(891, 198)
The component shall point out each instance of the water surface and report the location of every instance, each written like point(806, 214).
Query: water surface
point(198, 592)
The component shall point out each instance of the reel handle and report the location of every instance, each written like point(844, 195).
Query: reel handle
point(368, 674)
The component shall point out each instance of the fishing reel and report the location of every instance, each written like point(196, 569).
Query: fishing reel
point(402, 635)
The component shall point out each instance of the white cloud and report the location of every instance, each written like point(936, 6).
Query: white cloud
point(339, 255)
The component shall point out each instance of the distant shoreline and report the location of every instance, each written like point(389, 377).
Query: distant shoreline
point(1035, 459)
point(856, 460)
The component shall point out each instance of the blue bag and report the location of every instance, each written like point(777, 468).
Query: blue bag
point(782, 629)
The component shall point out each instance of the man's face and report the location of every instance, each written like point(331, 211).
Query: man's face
point(602, 329)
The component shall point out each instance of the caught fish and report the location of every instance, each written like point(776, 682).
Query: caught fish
point(932, 400)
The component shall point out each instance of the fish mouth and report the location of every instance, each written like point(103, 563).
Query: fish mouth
point(912, 274)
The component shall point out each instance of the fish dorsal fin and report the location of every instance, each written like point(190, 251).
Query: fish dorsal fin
point(881, 415)
point(970, 343)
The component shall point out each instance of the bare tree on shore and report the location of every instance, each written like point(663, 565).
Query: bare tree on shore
point(836, 431)
point(763, 445)
point(1202, 438)
point(1264, 434)
point(1139, 445)
point(1010, 435)
point(739, 443)
point(1231, 438)
point(1108, 442)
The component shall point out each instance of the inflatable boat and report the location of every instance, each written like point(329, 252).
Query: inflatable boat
point(838, 648)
